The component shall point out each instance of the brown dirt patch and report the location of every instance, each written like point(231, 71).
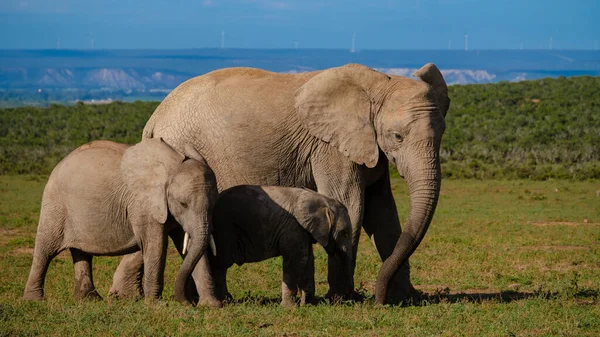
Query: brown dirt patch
point(7, 234)
point(22, 251)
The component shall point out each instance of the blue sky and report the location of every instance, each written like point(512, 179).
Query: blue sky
point(410, 24)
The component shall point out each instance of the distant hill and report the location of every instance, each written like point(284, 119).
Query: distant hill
point(541, 129)
point(146, 70)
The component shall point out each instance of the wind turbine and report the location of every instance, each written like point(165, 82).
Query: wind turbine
point(222, 39)
point(353, 42)
point(91, 41)
point(466, 42)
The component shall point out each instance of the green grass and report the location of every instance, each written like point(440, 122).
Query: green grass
point(501, 258)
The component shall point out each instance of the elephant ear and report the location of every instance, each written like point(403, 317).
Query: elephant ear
point(431, 75)
point(317, 219)
point(144, 169)
point(335, 106)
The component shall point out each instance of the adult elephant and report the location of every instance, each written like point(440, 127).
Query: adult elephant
point(333, 131)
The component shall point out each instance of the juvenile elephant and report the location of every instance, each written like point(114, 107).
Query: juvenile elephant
point(106, 198)
point(334, 131)
point(254, 223)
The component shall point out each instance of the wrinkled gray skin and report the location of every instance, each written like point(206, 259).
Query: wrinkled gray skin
point(254, 223)
point(107, 198)
point(333, 131)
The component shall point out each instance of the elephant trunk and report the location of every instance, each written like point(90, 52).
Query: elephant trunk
point(424, 186)
point(197, 247)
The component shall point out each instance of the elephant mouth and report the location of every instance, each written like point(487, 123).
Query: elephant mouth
point(401, 174)
point(211, 243)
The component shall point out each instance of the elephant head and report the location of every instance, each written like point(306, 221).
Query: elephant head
point(164, 181)
point(328, 222)
point(364, 113)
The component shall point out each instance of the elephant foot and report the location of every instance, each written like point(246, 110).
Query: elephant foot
point(407, 297)
point(126, 290)
point(338, 299)
point(308, 299)
point(210, 303)
point(288, 303)
point(90, 296)
point(182, 299)
point(126, 294)
point(151, 300)
point(33, 295)
point(337, 296)
point(120, 294)
point(401, 291)
point(86, 291)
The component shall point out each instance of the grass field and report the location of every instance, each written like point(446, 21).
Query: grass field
point(501, 258)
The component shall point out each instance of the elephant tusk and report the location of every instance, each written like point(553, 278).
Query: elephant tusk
point(186, 240)
point(213, 246)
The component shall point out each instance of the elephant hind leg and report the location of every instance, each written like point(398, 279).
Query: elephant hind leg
point(84, 284)
point(127, 280)
point(42, 256)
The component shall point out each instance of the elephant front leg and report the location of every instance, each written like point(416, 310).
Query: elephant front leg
point(382, 224)
point(345, 185)
point(307, 281)
point(127, 281)
point(222, 293)
point(154, 250)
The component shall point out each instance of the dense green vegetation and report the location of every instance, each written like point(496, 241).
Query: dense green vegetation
point(501, 258)
point(542, 129)
point(548, 128)
point(34, 140)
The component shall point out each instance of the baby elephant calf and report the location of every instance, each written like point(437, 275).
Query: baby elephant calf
point(106, 198)
point(254, 223)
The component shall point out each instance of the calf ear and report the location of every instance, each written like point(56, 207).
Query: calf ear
point(146, 177)
point(317, 220)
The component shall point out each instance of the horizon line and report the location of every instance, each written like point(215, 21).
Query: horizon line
point(357, 51)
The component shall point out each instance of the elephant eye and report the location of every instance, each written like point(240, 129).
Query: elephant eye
point(398, 137)
point(183, 204)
